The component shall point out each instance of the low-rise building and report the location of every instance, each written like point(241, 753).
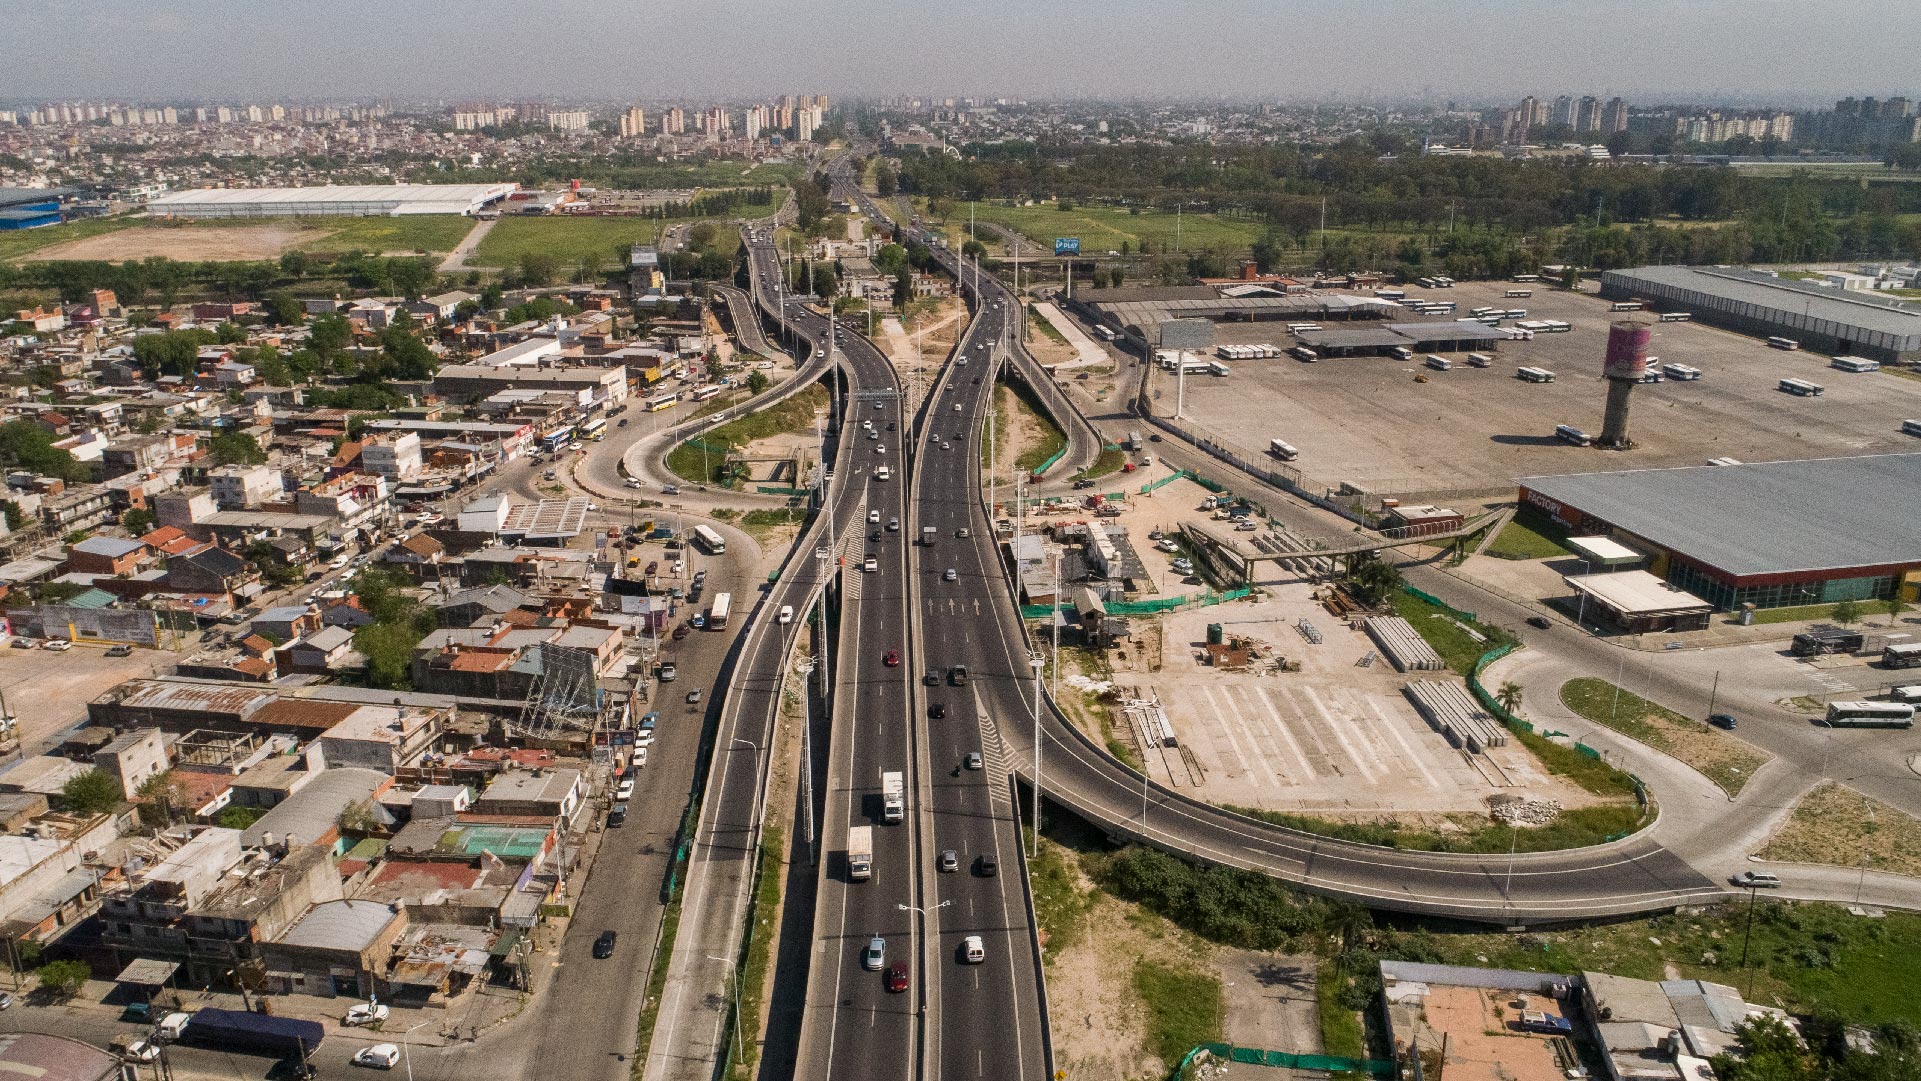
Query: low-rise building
point(133, 759)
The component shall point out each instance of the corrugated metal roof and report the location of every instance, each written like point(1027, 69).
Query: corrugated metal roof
point(1762, 517)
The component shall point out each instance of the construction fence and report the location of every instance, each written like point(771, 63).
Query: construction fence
point(1149, 608)
point(1254, 1056)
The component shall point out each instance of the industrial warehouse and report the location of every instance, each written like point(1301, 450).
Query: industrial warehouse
point(341, 201)
point(1763, 534)
point(1842, 322)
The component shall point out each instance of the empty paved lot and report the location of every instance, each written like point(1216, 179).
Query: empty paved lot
point(1367, 421)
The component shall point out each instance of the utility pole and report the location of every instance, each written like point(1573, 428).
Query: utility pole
point(806, 668)
point(1034, 661)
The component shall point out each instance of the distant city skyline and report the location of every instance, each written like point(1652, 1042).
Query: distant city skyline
point(1479, 51)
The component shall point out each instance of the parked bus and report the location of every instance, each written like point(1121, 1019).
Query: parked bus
point(1677, 317)
point(1402, 352)
point(1527, 277)
point(1296, 328)
point(1681, 372)
point(662, 401)
point(1568, 433)
point(1911, 427)
point(708, 540)
point(1816, 643)
point(1518, 293)
point(1855, 364)
point(1302, 352)
point(1391, 294)
point(1902, 655)
point(1724, 461)
point(717, 613)
point(1534, 375)
point(1784, 343)
point(594, 430)
point(1557, 326)
point(1626, 306)
point(1104, 334)
point(1910, 694)
point(1282, 450)
point(701, 394)
point(1480, 360)
point(1802, 388)
point(1869, 715)
point(1439, 364)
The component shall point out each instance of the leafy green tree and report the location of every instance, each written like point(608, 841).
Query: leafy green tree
point(492, 296)
point(1371, 579)
point(272, 367)
point(539, 268)
point(1847, 612)
point(826, 283)
point(406, 356)
point(1510, 696)
point(235, 448)
point(294, 264)
point(410, 275)
point(1894, 606)
point(1767, 1051)
point(886, 181)
point(239, 818)
point(24, 444)
point(756, 381)
point(230, 334)
point(63, 979)
point(165, 793)
point(170, 353)
point(137, 521)
point(329, 335)
point(1570, 277)
point(284, 308)
point(11, 511)
point(92, 792)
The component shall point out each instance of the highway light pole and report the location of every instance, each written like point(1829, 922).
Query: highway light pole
point(754, 816)
point(407, 1048)
point(1034, 661)
point(734, 968)
point(806, 668)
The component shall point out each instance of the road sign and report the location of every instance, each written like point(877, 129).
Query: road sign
point(1067, 245)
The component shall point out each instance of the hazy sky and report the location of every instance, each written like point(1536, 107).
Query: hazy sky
point(1782, 50)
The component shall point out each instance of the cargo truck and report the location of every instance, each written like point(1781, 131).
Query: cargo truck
point(239, 1030)
point(893, 796)
point(860, 853)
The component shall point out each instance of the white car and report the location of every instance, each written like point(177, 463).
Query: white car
point(644, 738)
point(973, 950)
point(870, 564)
point(365, 1014)
point(381, 1056)
point(57, 645)
point(633, 483)
point(625, 792)
point(873, 517)
point(786, 615)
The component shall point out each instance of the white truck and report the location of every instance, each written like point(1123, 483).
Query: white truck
point(893, 796)
point(860, 853)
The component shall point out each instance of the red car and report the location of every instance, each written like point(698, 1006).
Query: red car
point(891, 658)
point(897, 978)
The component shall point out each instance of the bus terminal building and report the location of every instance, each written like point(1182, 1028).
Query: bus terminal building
point(1819, 317)
point(1771, 534)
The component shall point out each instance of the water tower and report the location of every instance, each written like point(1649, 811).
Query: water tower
point(1626, 363)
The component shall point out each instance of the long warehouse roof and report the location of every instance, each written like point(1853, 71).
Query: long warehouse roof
point(367, 198)
point(1780, 297)
point(1762, 517)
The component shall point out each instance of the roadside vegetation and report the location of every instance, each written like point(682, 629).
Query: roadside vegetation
point(760, 951)
point(1530, 535)
point(1183, 1008)
point(1723, 759)
point(1575, 827)
point(1455, 640)
point(1044, 438)
point(1838, 826)
point(703, 459)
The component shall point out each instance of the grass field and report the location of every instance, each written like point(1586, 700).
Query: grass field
point(1183, 1008)
point(1864, 170)
point(1102, 229)
point(1530, 536)
point(566, 239)
point(417, 232)
point(16, 245)
point(1457, 647)
point(1840, 827)
point(689, 462)
point(1726, 761)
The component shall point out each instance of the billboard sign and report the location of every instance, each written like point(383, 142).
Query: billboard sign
point(1197, 334)
point(1067, 245)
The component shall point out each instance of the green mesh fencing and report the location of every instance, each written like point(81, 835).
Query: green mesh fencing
point(1253, 1056)
point(1164, 481)
point(1051, 462)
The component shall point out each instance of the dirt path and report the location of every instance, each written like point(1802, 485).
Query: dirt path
point(457, 259)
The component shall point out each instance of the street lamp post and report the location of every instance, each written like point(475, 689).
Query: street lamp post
point(407, 1048)
point(1580, 615)
point(922, 913)
point(754, 819)
point(806, 668)
point(1035, 662)
point(735, 969)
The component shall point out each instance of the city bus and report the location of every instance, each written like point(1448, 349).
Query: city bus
point(717, 613)
point(1901, 655)
point(708, 540)
point(1910, 694)
point(1817, 643)
point(1568, 433)
point(1677, 317)
point(1626, 306)
point(1527, 277)
point(1518, 293)
point(1802, 388)
point(1784, 343)
point(1855, 364)
point(662, 401)
point(1282, 450)
point(1869, 715)
point(1911, 427)
point(703, 393)
point(1682, 372)
point(594, 430)
point(1534, 375)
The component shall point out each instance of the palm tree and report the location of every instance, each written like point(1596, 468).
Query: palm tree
point(1509, 696)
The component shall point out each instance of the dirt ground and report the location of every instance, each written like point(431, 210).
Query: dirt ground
point(199, 243)
point(1015, 431)
point(1838, 826)
point(1481, 1044)
point(1270, 1001)
point(49, 692)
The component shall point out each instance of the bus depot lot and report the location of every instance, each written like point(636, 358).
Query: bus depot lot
point(1365, 420)
point(1335, 739)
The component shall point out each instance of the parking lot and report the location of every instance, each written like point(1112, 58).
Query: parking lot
point(49, 692)
point(1335, 738)
point(1395, 427)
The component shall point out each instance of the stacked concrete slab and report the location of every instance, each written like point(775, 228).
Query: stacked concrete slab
point(1453, 712)
point(1403, 645)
